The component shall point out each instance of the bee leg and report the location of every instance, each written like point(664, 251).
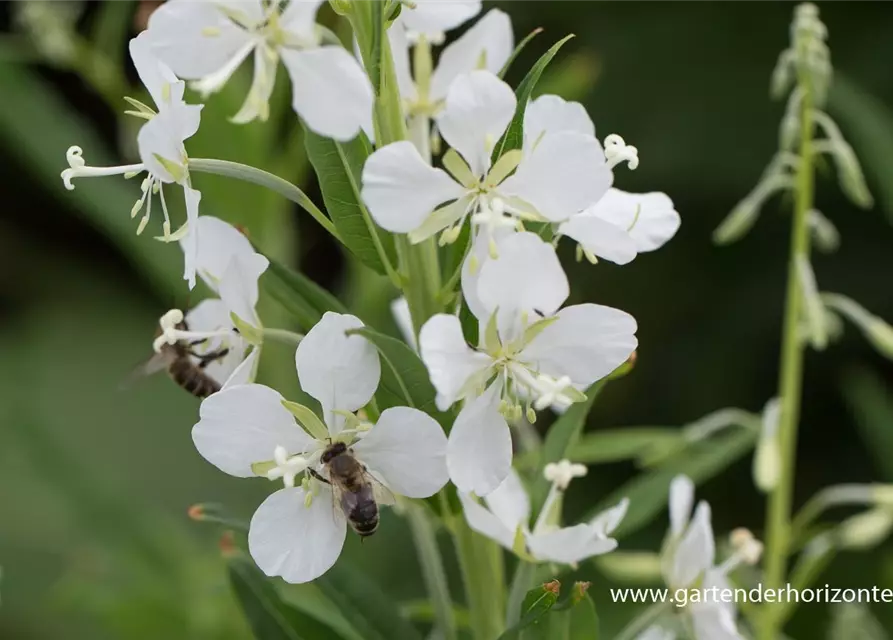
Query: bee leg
point(207, 358)
point(317, 476)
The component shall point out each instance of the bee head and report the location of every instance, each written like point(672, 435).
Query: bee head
point(333, 450)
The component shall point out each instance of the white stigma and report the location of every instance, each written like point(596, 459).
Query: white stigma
point(77, 168)
point(551, 391)
point(170, 334)
point(617, 151)
point(562, 472)
point(287, 467)
point(492, 215)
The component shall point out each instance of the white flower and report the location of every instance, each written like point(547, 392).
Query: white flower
point(162, 154)
point(562, 174)
point(403, 320)
point(688, 562)
point(528, 342)
point(228, 264)
point(208, 41)
point(487, 45)
point(505, 514)
point(298, 532)
point(621, 225)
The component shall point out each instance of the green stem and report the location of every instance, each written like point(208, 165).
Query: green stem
point(265, 179)
point(432, 571)
point(522, 581)
point(644, 620)
point(480, 561)
point(778, 513)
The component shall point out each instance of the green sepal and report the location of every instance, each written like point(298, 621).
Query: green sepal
point(307, 419)
point(536, 328)
point(249, 332)
point(507, 163)
point(262, 468)
point(458, 168)
point(519, 546)
point(178, 172)
point(141, 107)
point(491, 335)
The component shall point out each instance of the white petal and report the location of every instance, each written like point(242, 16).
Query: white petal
point(655, 632)
point(194, 38)
point(485, 523)
point(490, 40)
point(212, 314)
point(568, 545)
point(509, 502)
point(526, 278)
point(191, 241)
point(407, 448)
point(586, 343)
point(449, 359)
point(649, 218)
point(478, 256)
point(159, 137)
point(400, 312)
point(330, 91)
point(296, 542)
point(600, 237)
point(479, 450)
point(243, 425)
point(154, 74)
point(401, 189)
point(400, 55)
point(220, 241)
point(608, 520)
point(682, 499)
point(695, 552)
point(565, 173)
point(299, 18)
point(238, 286)
point(714, 619)
point(551, 114)
point(479, 107)
point(340, 371)
point(246, 372)
point(433, 17)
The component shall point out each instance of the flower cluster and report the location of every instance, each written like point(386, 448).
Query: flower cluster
point(497, 177)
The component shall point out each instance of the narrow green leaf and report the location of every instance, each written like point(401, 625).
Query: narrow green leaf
point(404, 378)
point(305, 300)
point(647, 492)
point(339, 167)
point(572, 618)
point(561, 439)
point(518, 49)
point(871, 404)
point(269, 617)
point(365, 605)
point(514, 135)
point(537, 603)
point(377, 8)
point(624, 443)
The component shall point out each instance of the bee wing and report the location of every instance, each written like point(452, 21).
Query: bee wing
point(382, 495)
point(158, 362)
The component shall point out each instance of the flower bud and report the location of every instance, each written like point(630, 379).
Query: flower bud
point(825, 234)
point(865, 530)
point(736, 225)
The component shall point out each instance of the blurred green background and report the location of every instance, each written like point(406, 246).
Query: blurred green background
point(95, 482)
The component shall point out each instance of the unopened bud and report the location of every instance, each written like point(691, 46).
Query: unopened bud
point(748, 548)
point(737, 223)
point(865, 530)
point(880, 334)
point(824, 232)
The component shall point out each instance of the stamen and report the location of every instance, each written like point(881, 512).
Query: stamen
point(167, 218)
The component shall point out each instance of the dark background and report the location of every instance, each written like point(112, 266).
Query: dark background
point(95, 482)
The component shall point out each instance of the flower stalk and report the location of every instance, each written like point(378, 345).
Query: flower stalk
point(778, 515)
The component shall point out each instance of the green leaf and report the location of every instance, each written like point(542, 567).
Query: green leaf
point(518, 49)
point(612, 445)
point(537, 603)
point(339, 167)
point(561, 439)
point(365, 605)
point(514, 135)
point(647, 492)
point(868, 125)
point(271, 618)
point(305, 300)
point(573, 618)
point(404, 377)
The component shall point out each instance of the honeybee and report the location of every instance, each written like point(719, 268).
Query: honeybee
point(185, 366)
point(356, 491)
